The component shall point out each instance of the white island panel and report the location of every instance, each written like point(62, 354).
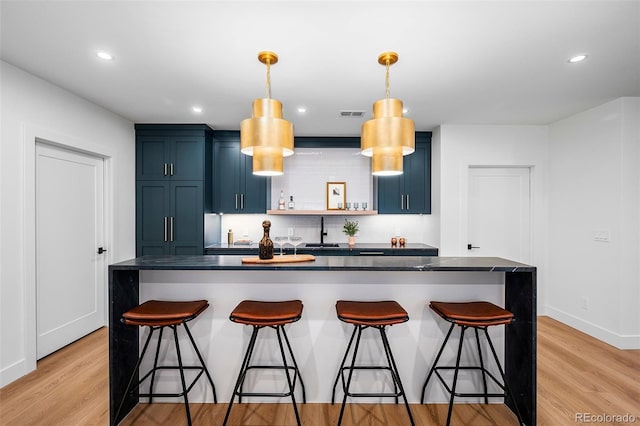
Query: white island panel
point(319, 338)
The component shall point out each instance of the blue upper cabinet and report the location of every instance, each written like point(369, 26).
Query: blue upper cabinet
point(409, 193)
point(235, 188)
point(170, 151)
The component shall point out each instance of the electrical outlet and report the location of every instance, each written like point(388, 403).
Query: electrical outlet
point(289, 232)
point(585, 303)
point(601, 235)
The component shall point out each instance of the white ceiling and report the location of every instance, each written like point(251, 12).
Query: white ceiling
point(461, 62)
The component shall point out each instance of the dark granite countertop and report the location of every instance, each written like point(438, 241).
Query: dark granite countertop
point(327, 263)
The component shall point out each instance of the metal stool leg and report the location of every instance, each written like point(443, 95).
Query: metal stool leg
point(155, 365)
point(353, 362)
point(344, 359)
point(504, 380)
point(395, 372)
point(455, 374)
point(193, 343)
point(286, 371)
point(184, 384)
point(484, 373)
point(295, 364)
point(435, 363)
point(242, 373)
point(387, 352)
point(134, 375)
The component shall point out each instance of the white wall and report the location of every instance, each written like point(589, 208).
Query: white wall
point(32, 108)
point(594, 285)
point(461, 146)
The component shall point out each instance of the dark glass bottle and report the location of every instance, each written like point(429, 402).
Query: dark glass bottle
point(266, 245)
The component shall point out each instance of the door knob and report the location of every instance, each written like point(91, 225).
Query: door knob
point(470, 246)
point(101, 250)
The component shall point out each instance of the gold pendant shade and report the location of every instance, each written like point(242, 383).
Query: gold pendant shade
point(388, 136)
point(266, 135)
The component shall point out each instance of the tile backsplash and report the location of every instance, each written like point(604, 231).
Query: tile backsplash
point(307, 172)
point(373, 229)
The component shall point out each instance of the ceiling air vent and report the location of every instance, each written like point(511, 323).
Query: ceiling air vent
point(351, 114)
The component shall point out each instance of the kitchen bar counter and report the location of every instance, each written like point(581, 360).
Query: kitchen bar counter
point(412, 280)
point(340, 249)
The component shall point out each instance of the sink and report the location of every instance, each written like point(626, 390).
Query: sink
point(321, 245)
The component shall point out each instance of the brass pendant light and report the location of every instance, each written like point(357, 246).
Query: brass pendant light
point(266, 135)
point(388, 136)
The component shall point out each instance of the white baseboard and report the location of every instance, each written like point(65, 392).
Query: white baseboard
point(13, 372)
point(620, 341)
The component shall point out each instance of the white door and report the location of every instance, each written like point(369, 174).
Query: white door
point(70, 273)
point(499, 213)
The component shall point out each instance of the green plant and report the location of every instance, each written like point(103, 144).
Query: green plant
point(350, 227)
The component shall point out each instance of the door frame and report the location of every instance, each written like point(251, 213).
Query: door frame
point(30, 135)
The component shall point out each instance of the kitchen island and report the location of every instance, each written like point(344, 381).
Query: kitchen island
point(319, 338)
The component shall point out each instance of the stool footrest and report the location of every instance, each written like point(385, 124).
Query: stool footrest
point(476, 394)
point(167, 367)
point(269, 367)
point(395, 394)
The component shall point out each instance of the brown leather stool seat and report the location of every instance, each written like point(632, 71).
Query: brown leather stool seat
point(157, 315)
point(275, 315)
point(163, 313)
point(476, 315)
point(251, 312)
point(377, 315)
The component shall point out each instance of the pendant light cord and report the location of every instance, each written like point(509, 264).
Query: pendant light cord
point(269, 79)
point(387, 81)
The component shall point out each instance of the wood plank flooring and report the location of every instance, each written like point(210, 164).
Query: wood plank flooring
point(576, 374)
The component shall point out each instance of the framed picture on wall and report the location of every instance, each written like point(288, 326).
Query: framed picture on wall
point(336, 195)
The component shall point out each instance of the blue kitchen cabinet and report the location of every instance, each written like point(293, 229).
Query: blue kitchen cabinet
point(409, 193)
point(173, 187)
point(169, 217)
point(171, 151)
point(235, 188)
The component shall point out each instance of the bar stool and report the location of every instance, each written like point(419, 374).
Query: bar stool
point(475, 315)
point(362, 315)
point(157, 315)
point(274, 315)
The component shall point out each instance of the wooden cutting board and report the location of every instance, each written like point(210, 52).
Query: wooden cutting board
point(285, 258)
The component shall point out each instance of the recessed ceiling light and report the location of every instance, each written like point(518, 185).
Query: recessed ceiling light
point(104, 55)
point(196, 109)
point(302, 110)
point(577, 58)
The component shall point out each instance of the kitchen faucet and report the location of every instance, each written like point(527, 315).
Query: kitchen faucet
point(322, 231)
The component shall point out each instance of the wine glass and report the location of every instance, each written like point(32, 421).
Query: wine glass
point(348, 206)
point(295, 242)
point(364, 205)
point(280, 241)
point(356, 205)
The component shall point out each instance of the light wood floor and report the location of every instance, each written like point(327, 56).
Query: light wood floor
point(576, 374)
